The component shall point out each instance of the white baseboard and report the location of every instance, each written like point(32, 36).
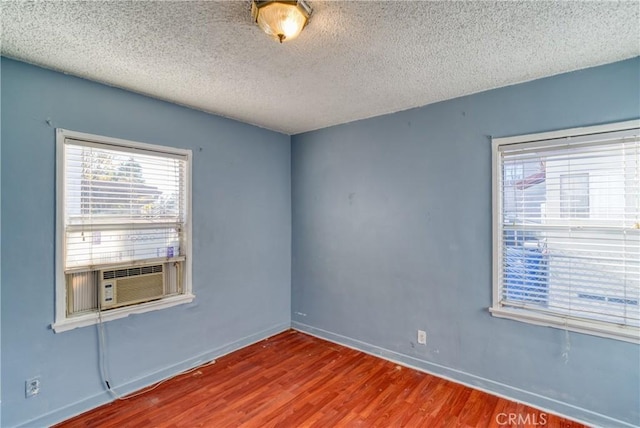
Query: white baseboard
point(546, 404)
point(543, 403)
point(104, 397)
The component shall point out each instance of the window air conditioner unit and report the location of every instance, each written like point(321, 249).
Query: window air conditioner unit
point(128, 286)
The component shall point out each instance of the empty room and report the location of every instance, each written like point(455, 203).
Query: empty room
point(320, 214)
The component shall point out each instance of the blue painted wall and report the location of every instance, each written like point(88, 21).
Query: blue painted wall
point(241, 243)
point(392, 233)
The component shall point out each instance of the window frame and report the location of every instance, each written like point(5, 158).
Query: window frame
point(62, 322)
point(592, 327)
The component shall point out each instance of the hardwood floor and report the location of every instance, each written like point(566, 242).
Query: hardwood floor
point(295, 380)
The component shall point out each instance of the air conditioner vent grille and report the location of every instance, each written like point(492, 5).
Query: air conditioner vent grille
point(134, 271)
point(142, 288)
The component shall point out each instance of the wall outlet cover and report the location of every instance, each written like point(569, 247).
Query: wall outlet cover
point(32, 386)
point(422, 337)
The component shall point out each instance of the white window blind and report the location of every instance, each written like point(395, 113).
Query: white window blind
point(122, 205)
point(567, 219)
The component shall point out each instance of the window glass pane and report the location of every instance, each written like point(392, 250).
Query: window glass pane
point(122, 205)
point(574, 195)
point(99, 247)
point(108, 185)
point(524, 191)
point(598, 184)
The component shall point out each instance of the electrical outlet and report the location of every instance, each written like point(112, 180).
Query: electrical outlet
point(422, 337)
point(32, 387)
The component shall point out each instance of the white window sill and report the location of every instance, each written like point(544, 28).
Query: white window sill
point(114, 314)
point(594, 328)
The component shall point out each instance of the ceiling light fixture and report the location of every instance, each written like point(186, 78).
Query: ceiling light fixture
point(280, 19)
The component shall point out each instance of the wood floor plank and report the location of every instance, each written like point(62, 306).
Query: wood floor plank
point(294, 380)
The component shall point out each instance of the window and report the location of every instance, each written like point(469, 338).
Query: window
point(566, 229)
point(123, 228)
point(574, 195)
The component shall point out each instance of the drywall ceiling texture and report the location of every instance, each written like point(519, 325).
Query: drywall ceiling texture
point(354, 60)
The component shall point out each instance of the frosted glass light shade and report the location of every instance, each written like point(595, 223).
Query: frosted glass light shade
point(282, 20)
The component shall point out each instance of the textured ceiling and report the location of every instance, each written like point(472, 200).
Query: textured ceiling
point(355, 60)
